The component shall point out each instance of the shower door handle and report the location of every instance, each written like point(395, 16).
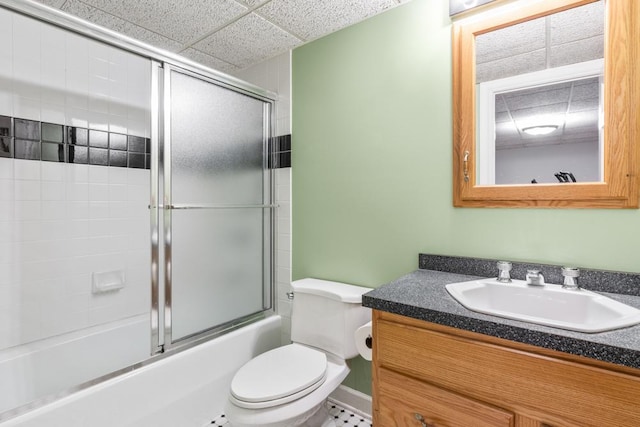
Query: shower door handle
point(185, 207)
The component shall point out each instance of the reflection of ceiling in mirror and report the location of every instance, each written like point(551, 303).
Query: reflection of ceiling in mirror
point(563, 38)
point(572, 106)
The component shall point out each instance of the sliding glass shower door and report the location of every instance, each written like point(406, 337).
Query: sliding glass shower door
point(216, 215)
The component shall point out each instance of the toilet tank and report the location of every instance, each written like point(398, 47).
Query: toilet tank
point(326, 315)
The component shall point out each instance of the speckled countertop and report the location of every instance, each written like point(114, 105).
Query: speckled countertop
point(422, 295)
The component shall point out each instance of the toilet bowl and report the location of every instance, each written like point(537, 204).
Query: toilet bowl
point(292, 410)
point(289, 385)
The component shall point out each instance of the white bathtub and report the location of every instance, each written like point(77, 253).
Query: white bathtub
point(186, 389)
point(37, 369)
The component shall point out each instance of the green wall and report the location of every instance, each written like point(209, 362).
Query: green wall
point(372, 166)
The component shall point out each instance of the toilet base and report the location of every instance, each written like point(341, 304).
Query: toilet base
point(317, 418)
point(321, 418)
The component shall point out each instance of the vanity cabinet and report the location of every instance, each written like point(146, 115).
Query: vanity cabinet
point(426, 374)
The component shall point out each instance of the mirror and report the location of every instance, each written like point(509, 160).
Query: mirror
point(544, 101)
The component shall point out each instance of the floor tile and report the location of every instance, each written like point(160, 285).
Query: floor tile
point(341, 416)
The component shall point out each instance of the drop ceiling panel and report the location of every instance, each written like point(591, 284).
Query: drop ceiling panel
point(578, 51)
point(523, 99)
point(97, 16)
point(511, 41)
point(528, 116)
point(227, 35)
point(310, 19)
point(181, 19)
point(208, 60)
point(253, 3)
point(53, 3)
point(511, 66)
point(581, 120)
point(586, 89)
point(576, 24)
point(584, 105)
point(249, 40)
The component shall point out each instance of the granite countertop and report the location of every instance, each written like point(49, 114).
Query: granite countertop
point(422, 295)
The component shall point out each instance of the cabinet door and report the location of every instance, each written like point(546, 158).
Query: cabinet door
point(404, 401)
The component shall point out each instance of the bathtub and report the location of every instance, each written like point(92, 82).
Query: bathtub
point(188, 388)
point(38, 369)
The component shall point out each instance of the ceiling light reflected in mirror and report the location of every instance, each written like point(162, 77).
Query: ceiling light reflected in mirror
point(540, 130)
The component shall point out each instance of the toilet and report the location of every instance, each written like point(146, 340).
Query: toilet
point(289, 385)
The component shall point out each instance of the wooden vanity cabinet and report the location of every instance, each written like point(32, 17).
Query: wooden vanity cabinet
point(426, 374)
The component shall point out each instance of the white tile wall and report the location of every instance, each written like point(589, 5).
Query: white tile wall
point(59, 223)
point(60, 77)
point(67, 222)
point(275, 75)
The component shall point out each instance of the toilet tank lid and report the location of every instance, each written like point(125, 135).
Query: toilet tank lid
point(334, 290)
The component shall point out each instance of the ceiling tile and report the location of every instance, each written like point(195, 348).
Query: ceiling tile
point(514, 65)
point(91, 14)
point(253, 3)
point(523, 99)
point(582, 119)
point(586, 88)
point(510, 41)
point(208, 60)
point(182, 20)
point(53, 3)
point(577, 23)
point(578, 51)
point(247, 41)
point(311, 19)
point(584, 105)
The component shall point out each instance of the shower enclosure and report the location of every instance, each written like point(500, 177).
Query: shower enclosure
point(136, 213)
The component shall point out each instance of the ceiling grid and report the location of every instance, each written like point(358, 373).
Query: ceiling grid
point(227, 35)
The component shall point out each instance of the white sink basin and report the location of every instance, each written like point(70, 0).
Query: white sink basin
point(549, 305)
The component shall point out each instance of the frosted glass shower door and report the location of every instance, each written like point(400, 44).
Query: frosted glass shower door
point(216, 205)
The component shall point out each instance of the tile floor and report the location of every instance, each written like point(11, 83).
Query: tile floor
point(343, 417)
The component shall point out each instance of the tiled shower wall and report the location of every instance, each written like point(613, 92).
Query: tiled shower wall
point(275, 75)
point(62, 222)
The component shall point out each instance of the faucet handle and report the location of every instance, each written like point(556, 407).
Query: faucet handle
point(504, 267)
point(570, 275)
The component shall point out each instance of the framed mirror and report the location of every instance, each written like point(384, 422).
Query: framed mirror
point(546, 98)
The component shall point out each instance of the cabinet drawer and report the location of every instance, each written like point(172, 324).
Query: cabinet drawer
point(554, 391)
point(404, 401)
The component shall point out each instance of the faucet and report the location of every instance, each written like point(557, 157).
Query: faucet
point(570, 275)
point(503, 271)
point(534, 277)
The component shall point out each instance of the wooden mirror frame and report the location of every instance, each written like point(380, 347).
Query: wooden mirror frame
point(621, 105)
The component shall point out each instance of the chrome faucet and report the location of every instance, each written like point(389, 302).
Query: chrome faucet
point(534, 277)
point(504, 267)
point(570, 275)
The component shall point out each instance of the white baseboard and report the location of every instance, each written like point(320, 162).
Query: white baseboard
point(353, 400)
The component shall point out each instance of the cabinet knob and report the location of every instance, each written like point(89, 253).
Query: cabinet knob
point(423, 422)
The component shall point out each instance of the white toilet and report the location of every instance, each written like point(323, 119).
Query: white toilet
point(288, 386)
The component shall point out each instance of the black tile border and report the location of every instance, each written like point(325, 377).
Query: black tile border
point(25, 139)
point(616, 282)
point(280, 152)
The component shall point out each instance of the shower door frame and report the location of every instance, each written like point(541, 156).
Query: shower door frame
point(161, 207)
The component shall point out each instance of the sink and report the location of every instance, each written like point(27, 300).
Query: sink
point(549, 305)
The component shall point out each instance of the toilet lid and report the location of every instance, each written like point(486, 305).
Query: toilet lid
point(293, 370)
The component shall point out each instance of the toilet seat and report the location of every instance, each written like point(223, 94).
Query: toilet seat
point(278, 376)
